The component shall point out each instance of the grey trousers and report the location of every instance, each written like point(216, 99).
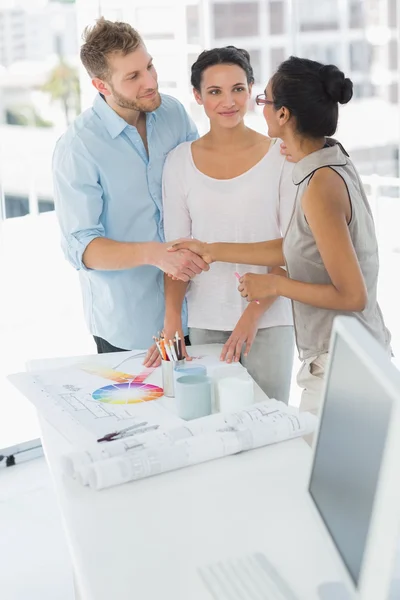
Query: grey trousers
point(270, 360)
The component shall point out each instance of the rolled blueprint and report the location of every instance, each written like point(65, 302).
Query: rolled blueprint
point(75, 461)
point(277, 427)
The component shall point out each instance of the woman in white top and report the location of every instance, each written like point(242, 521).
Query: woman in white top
point(232, 184)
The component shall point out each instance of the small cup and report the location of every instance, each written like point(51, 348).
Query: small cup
point(193, 396)
point(226, 371)
point(168, 378)
point(235, 393)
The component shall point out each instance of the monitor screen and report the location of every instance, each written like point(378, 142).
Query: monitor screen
point(350, 447)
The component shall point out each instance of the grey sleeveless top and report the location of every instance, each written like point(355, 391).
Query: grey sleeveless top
point(304, 263)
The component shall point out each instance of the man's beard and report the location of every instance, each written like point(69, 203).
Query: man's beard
point(141, 104)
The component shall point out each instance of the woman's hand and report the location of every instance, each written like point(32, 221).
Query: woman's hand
point(256, 287)
point(244, 333)
point(202, 249)
point(285, 152)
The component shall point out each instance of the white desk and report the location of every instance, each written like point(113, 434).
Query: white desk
point(145, 540)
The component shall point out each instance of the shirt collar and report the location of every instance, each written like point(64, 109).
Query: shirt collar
point(333, 156)
point(112, 121)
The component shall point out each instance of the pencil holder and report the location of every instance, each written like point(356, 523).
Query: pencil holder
point(168, 378)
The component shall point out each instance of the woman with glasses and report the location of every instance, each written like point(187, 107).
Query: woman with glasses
point(231, 184)
point(329, 248)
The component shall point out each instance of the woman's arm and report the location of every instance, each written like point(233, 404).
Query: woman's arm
point(327, 209)
point(177, 224)
point(246, 328)
point(265, 254)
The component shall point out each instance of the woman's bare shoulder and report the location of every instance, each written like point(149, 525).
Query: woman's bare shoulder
point(262, 141)
point(327, 190)
point(259, 137)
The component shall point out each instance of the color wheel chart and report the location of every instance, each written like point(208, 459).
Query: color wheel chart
point(127, 389)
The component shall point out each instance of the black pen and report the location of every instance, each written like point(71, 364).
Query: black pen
point(118, 435)
point(109, 437)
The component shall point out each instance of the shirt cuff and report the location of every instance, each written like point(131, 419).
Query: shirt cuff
point(77, 244)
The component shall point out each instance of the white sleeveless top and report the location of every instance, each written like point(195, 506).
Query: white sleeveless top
point(253, 207)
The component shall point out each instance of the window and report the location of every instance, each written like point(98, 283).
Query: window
point(16, 206)
point(360, 56)
point(324, 53)
point(392, 50)
point(197, 112)
point(41, 313)
point(193, 24)
point(276, 17)
point(379, 160)
point(255, 59)
point(164, 84)
point(190, 60)
point(277, 56)
point(363, 90)
point(393, 93)
point(166, 65)
point(392, 14)
point(238, 19)
point(319, 15)
point(45, 205)
point(356, 14)
point(156, 23)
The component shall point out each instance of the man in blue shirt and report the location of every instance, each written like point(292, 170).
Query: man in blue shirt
point(107, 171)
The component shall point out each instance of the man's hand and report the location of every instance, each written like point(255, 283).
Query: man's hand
point(170, 329)
point(244, 333)
point(152, 358)
point(202, 249)
point(256, 287)
point(182, 264)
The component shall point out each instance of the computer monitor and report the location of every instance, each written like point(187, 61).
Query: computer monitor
point(355, 475)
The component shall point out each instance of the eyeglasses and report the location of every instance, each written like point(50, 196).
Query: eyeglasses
point(261, 100)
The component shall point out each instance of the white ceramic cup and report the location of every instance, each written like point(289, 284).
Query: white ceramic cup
point(235, 393)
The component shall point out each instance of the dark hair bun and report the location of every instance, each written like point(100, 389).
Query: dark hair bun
point(338, 87)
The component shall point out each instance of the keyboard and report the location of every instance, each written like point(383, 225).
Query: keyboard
point(249, 577)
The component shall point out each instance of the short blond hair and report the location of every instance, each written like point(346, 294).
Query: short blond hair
point(105, 38)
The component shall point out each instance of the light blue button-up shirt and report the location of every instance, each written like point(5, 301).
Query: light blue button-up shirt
point(107, 186)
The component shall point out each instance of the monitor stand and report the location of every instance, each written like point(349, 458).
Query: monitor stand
point(336, 591)
point(333, 590)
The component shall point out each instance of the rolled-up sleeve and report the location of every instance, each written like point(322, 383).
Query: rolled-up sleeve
point(78, 198)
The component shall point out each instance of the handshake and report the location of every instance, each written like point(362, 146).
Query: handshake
point(184, 259)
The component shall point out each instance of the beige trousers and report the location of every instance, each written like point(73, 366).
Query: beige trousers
point(311, 379)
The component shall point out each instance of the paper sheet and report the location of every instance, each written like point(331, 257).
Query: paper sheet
point(93, 398)
point(102, 394)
